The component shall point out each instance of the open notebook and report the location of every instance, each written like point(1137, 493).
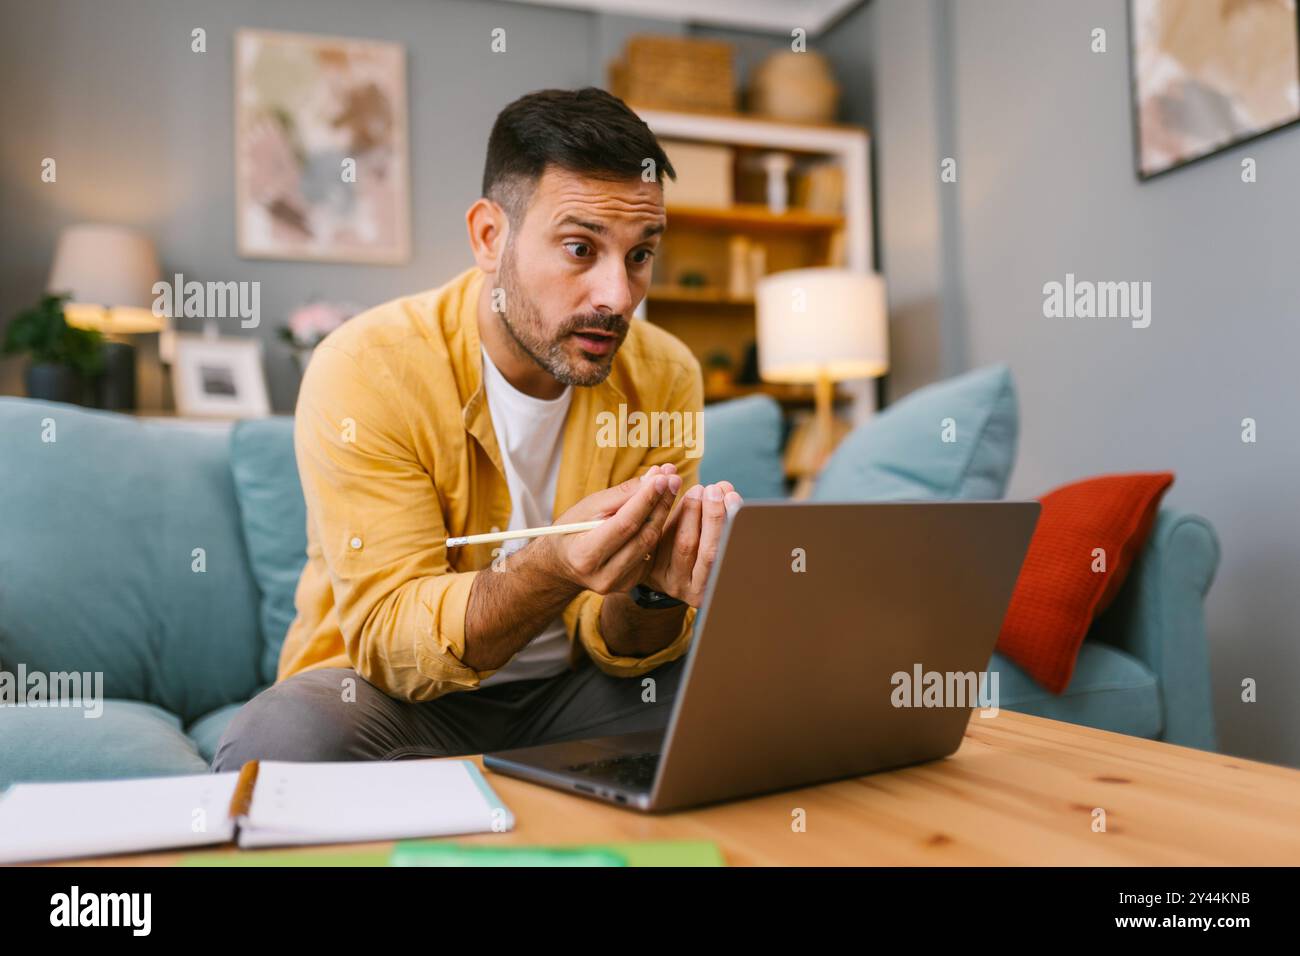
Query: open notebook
point(268, 803)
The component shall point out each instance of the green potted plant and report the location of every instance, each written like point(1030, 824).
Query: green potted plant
point(64, 359)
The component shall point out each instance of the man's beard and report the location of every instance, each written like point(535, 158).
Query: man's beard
point(523, 320)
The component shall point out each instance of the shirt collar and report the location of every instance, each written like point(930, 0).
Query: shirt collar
point(580, 427)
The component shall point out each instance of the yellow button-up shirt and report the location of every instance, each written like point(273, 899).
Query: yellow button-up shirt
point(396, 453)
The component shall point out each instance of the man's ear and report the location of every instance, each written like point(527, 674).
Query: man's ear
point(488, 228)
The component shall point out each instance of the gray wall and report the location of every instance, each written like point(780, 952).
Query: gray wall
point(1041, 129)
point(142, 131)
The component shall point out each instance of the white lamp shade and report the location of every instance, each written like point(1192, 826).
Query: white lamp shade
point(110, 272)
point(821, 322)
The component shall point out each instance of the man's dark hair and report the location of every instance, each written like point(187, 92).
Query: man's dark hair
point(583, 131)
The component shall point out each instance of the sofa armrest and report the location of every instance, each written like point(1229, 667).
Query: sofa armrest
point(1159, 618)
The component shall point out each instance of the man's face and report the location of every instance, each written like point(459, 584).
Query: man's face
point(575, 268)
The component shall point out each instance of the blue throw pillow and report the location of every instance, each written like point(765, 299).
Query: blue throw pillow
point(274, 516)
point(952, 439)
point(120, 553)
point(742, 444)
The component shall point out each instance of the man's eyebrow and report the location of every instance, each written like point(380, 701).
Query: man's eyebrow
point(572, 220)
point(599, 228)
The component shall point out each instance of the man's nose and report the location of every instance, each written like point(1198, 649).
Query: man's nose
point(611, 290)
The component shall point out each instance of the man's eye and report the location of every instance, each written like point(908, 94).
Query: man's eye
point(642, 256)
point(579, 249)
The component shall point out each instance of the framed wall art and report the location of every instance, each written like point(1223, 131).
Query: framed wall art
point(1208, 75)
point(321, 148)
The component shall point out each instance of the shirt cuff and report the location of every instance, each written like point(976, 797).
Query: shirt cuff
point(583, 617)
point(439, 647)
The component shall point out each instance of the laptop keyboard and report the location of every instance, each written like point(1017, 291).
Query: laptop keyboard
point(634, 771)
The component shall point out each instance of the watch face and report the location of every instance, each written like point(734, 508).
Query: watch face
point(652, 599)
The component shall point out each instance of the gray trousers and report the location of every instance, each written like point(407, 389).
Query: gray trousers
point(309, 718)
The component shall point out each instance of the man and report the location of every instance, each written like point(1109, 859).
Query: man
point(479, 406)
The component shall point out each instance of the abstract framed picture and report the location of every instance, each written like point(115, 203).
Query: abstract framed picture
point(1208, 75)
point(321, 148)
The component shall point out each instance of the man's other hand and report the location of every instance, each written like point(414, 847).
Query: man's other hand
point(688, 547)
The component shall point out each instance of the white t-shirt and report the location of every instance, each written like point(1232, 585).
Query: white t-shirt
point(529, 432)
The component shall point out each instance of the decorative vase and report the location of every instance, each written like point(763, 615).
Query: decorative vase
point(301, 356)
point(795, 87)
point(50, 382)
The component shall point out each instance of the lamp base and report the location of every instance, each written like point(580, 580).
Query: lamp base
point(115, 386)
point(814, 439)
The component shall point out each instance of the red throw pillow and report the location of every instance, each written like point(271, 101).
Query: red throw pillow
point(1062, 586)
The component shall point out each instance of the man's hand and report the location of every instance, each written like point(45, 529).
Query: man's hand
point(688, 547)
point(614, 556)
point(506, 611)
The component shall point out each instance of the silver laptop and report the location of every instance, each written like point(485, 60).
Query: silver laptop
point(812, 613)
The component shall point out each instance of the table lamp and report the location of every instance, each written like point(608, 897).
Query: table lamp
point(109, 272)
point(822, 326)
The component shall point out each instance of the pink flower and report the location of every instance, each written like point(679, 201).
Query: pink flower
point(310, 323)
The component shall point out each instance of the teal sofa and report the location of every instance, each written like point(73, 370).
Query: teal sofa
point(164, 555)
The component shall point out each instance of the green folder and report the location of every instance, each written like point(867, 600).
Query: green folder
point(289, 858)
point(657, 853)
point(440, 853)
point(450, 854)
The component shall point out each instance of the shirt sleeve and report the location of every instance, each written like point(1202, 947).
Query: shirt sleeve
point(582, 615)
point(379, 523)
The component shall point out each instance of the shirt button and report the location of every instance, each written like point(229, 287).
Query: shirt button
point(355, 543)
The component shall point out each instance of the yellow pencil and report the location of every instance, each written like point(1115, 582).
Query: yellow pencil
point(496, 536)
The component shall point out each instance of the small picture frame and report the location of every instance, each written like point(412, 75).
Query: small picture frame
point(219, 377)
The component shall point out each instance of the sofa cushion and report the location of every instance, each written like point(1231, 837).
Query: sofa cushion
point(742, 444)
point(274, 518)
point(121, 553)
point(952, 439)
point(207, 730)
point(1110, 690)
point(1088, 535)
point(128, 739)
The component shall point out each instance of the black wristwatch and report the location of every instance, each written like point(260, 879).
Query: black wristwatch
point(653, 600)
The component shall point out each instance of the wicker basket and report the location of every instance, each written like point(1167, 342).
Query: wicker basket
point(675, 73)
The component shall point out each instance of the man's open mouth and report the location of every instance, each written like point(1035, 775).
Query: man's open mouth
point(596, 341)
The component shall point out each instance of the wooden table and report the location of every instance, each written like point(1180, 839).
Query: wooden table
point(1021, 790)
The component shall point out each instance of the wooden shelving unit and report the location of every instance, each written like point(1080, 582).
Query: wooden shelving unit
point(685, 295)
point(753, 217)
point(706, 312)
point(845, 144)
